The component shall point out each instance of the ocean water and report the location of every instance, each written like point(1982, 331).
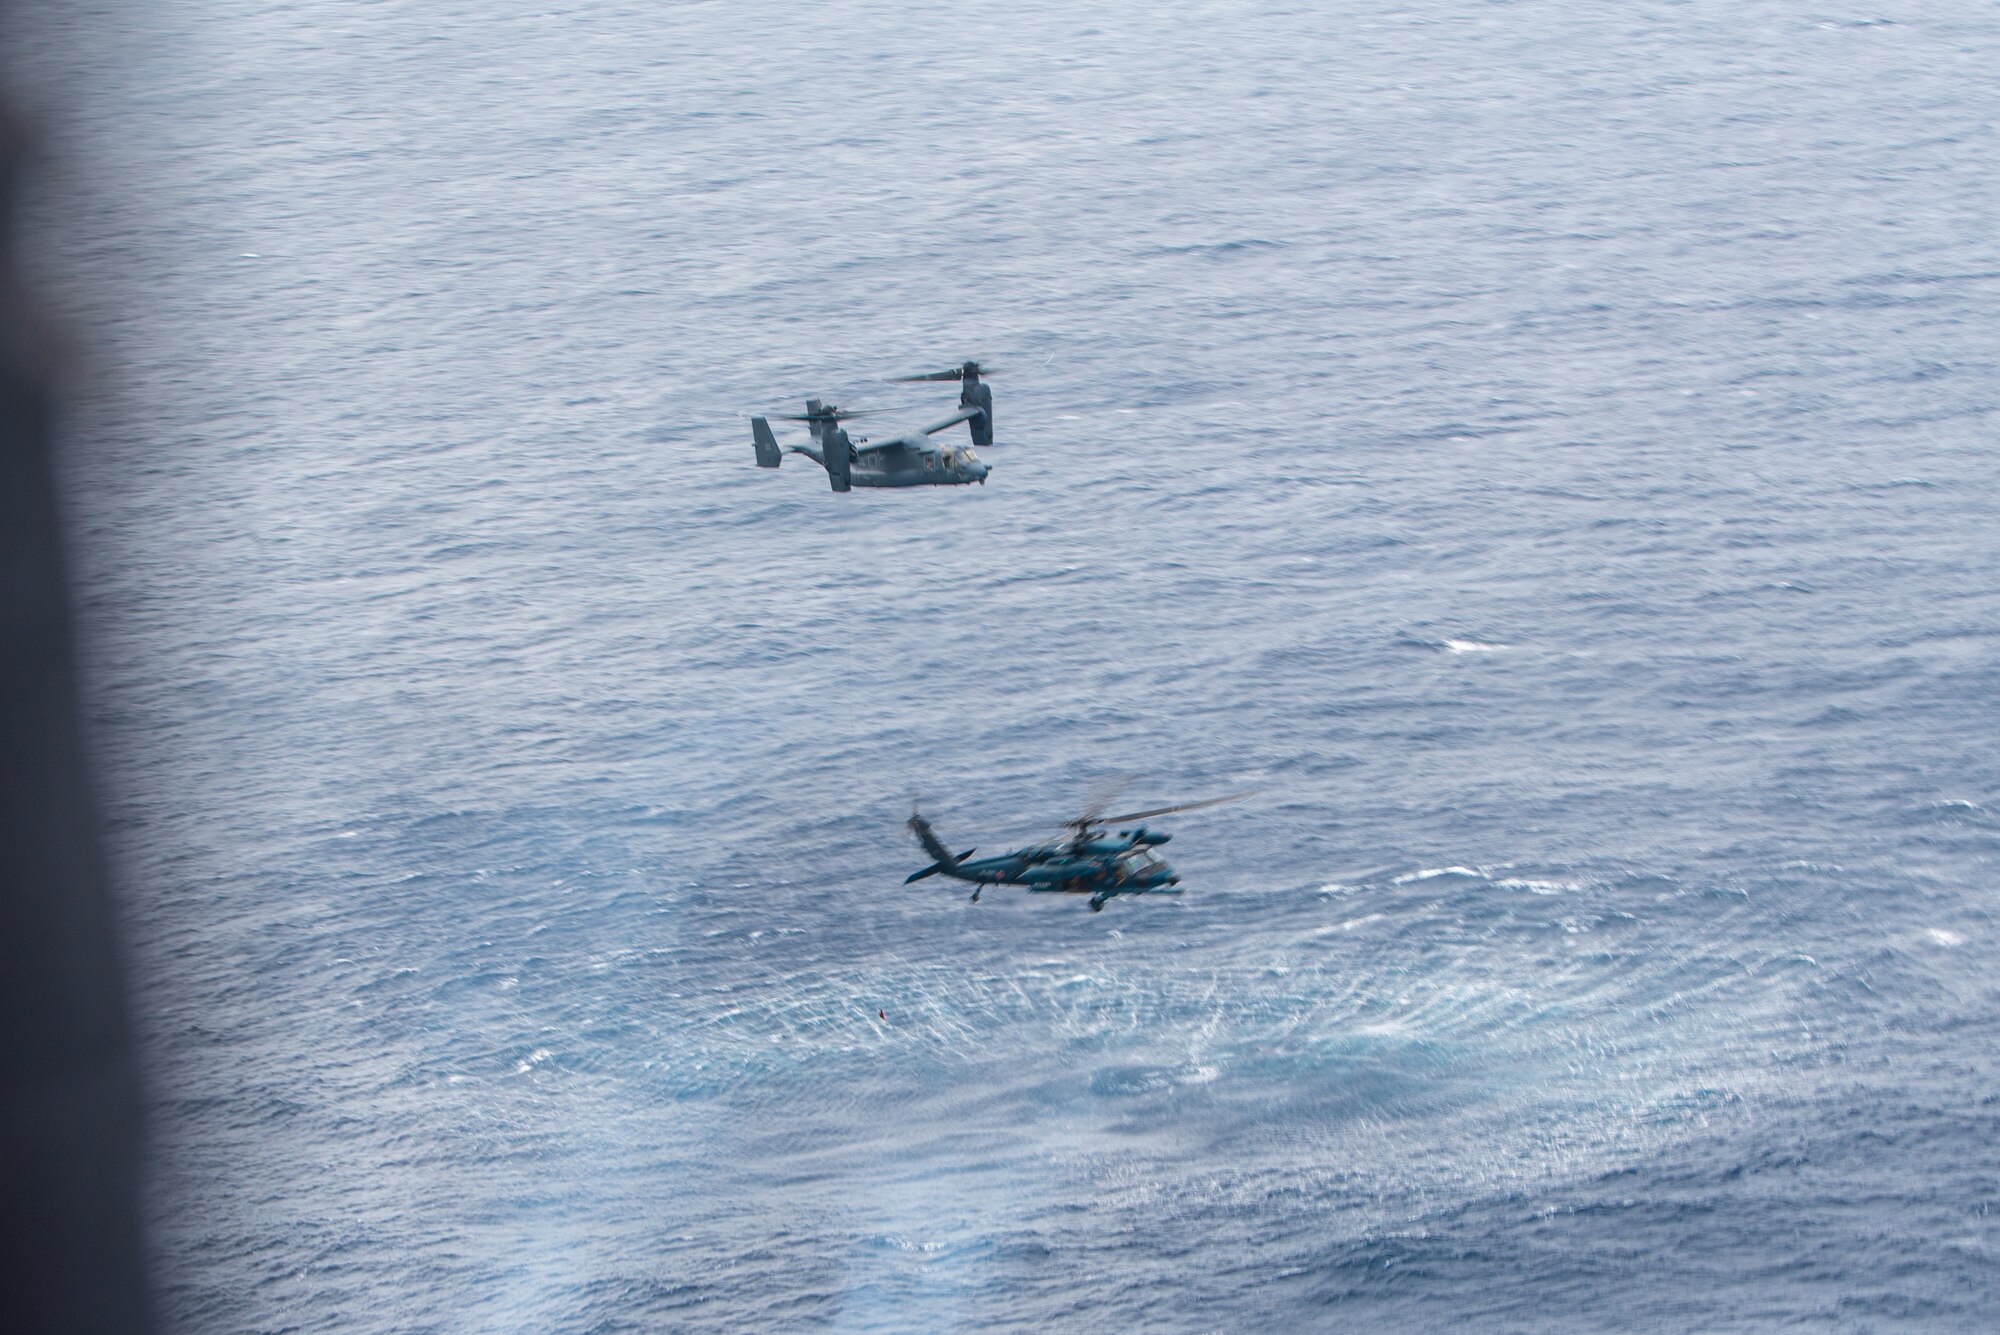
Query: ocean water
point(1548, 449)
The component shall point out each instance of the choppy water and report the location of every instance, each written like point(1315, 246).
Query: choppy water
point(1550, 449)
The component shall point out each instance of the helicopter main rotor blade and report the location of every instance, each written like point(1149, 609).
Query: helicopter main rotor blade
point(1105, 794)
point(1184, 806)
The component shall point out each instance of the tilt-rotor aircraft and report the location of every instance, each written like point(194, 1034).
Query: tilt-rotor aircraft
point(908, 460)
point(1090, 860)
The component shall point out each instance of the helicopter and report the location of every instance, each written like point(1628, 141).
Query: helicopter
point(1090, 860)
point(908, 460)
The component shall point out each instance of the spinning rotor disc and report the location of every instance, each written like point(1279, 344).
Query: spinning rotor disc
point(1093, 816)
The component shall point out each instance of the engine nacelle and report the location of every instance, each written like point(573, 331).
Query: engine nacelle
point(1151, 838)
point(977, 394)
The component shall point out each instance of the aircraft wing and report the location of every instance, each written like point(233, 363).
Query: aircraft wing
point(914, 440)
point(953, 420)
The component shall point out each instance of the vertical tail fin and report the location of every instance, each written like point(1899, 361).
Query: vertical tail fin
point(932, 844)
point(768, 455)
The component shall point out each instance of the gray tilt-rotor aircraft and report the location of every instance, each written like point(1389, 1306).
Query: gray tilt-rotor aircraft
point(908, 460)
point(1090, 861)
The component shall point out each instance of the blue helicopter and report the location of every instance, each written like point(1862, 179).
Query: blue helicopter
point(908, 460)
point(1090, 860)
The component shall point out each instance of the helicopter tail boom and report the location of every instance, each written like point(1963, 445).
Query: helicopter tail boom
point(937, 867)
point(946, 861)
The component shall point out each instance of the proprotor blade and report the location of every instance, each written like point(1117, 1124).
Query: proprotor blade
point(959, 372)
point(1184, 806)
point(830, 415)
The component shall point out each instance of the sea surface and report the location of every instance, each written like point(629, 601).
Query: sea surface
point(1548, 449)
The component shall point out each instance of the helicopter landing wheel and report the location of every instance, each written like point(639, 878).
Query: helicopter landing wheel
point(1097, 903)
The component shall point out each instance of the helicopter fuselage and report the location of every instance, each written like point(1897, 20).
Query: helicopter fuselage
point(1091, 861)
point(1095, 864)
point(1055, 868)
